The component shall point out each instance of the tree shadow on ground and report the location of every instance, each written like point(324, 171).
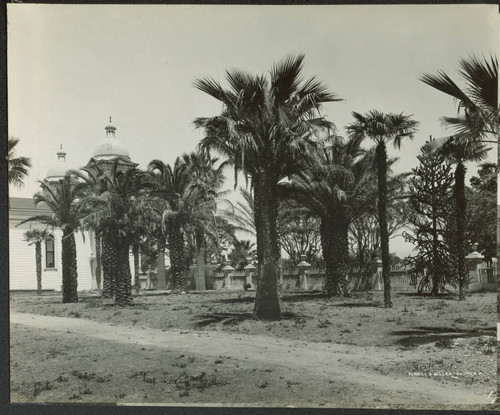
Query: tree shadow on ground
point(428, 334)
point(445, 296)
point(233, 300)
point(375, 304)
point(303, 296)
point(222, 318)
point(235, 318)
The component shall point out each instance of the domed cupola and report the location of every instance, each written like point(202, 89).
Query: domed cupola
point(110, 147)
point(58, 170)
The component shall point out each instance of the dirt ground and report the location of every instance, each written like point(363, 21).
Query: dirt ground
point(423, 353)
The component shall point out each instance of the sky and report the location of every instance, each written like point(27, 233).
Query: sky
point(70, 67)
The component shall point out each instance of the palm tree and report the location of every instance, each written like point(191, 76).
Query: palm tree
point(334, 188)
point(382, 129)
point(478, 116)
point(265, 128)
point(36, 237)
point(18, 166)
point(60, 197)
point(173, 187)
point(207, 180)
point(242, 250)
point(95, 185)
point(119, 214)
point(460, 152)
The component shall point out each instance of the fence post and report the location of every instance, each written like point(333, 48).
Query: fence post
point(376, 271)
point(249, 270)
point(474, 259)
point(227, 270)
point(303, 267)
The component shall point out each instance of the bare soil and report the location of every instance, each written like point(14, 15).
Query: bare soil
point(206, 348)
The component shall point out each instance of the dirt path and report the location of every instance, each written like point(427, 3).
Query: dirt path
point(342, 364)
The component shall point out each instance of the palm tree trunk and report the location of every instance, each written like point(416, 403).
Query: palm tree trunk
point(108, 257)
point(334, 241)
point(69, 267)
point(160, 265)
point(176, 247)
point(267, 306)
point(123, 277)
point(98, 263)
point(381, 155)
point(200, 261)
point(135, 251)
point(461, 209)
point(38, 256)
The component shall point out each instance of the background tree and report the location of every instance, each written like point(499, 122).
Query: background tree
point(264, 130)
point(36, 237)
point(241, 252)
point(383, 129)
point(481, 201)
point(298, 232)
point(60, 197)
point(431, 194)
point(18, 166)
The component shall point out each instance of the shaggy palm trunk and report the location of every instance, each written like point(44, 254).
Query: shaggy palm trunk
point(38, 257)
point(121, 271)
point(461, 208)
point(334, 243)
point(98, 263)
point(160, 265)
point(200, 261)
point(69, 267)
point(136, 253)
point(267, 306)
point(107, 257)
point(381, 155)
point(176, 246)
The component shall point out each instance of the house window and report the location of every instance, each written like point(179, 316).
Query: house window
point(50, 252)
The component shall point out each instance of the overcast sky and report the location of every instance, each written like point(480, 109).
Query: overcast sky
point(70, 67)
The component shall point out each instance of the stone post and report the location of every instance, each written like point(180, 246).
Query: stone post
point(192, 274)
point(303, 268)
point(227, 270)
point(249, 270)
point(473, 260)
point(376, 271)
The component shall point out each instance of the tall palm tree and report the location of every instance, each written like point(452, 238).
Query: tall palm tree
point(36, 237)
point(460, 152)
point(478, 113)
point(382, 129)
point(118, 213)
point(207, 180)
point(334, 189)
point(173, 187)
point(265, 128)
point(18, 166)
point(60, 197)
point(96, 185)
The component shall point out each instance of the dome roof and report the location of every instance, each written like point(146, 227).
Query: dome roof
point(57, 170)
point(111, 146)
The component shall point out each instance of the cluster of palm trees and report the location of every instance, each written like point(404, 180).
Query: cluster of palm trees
point(122, 206)
point(272, 132)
